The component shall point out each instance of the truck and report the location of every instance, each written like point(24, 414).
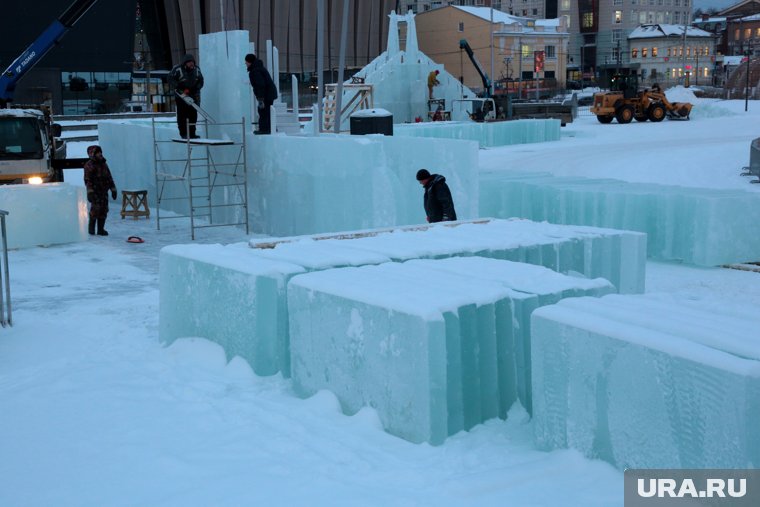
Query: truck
point(30, 151)
point(626, 102)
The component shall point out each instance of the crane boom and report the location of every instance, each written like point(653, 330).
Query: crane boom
point(47, 40)
point(463, 44)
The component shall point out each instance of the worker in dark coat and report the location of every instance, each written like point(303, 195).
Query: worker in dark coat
point(439, 205)
point(186, 79)
point(264, 89)
point(98, 180)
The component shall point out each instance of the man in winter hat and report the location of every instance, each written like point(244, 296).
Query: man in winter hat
point(98, 180)
point(439, 205)
point(264, 89)
point(186, 79)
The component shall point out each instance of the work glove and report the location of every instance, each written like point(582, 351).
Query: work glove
point(261, 104)
point(90, 196)
point(113, 194)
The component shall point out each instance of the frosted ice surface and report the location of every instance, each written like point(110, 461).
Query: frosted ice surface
point(229, 296)
point(697, 225)
point(648, 382)
point(47, 214)
point(345, 323)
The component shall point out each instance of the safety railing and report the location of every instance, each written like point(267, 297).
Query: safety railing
point(5, 282)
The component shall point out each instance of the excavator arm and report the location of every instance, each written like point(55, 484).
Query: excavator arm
point(463, 44)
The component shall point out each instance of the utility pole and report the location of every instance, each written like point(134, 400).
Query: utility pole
point(320, 61)
point(618, 56)
point(341, 64)
point(490, 92)
point(683, 45)
point(748, 52)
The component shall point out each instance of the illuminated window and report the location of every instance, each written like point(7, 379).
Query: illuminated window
point(643, 52)
point(565, 6)
point(688, 52)
point(526, 52)
point(747, 33)
point(668, 51)
point(588, 20)
point(736, 34)
point(618, 17)
point(654, 52)
point(635, 53)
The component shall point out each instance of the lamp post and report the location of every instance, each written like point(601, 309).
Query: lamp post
point(748, 52)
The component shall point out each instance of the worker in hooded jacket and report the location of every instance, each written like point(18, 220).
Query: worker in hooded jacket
point(439, 205)
point(98, 181)
point(186, 80)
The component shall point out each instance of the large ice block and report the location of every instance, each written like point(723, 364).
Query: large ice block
point(377, 336)
point(47, 214)
point(230, 296)
point(697, 225)
point(648, 382)
point(487, 134)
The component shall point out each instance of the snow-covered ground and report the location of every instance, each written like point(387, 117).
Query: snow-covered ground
point(94, 411)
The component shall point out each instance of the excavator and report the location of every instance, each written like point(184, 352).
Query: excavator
point(625, 102)
point(30, 151)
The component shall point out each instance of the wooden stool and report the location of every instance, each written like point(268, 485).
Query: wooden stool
point(134, 203)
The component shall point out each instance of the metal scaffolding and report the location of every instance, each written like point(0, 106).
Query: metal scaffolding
point(211, 179)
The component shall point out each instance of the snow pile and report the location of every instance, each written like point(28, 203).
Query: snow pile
point(681, 94)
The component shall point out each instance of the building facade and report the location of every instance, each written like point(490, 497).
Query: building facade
point(665, 56)
point(515, 43)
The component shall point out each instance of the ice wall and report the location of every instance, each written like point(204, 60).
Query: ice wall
point(399, 79)
point(47, 214)
point(226, 94)
point(487, 134)
point(702, 226)
point(307, 185)
point(648, 382)
point(218, 292)
point(434, 346)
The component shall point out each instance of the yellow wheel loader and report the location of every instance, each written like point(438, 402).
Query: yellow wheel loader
point(624, 103)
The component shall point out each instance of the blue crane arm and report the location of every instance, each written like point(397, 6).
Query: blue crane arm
point(463, 44)
point(40, 47)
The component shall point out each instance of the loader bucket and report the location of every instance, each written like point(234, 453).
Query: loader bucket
point(681, 110)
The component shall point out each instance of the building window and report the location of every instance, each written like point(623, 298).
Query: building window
point(757, 32)
point(688, 52)
point(654, 52)
point(535, 12)
point(747, 33)
point(617, 2)
point(634, 53)
point(667, 17)
point(642, 17)
point(736, 34)
point(526, 52)
point(550, 52)
point(643, 52)
point(668, 52)
point(588, 20)
point(676, 18)
point(617, 35)
point(461, 26)
point(618, 17)
point(565, 6)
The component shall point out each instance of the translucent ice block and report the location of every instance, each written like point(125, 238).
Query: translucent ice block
point(47, 214)
point(488, 134)
point(648, 382)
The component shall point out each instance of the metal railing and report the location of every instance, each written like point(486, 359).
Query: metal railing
point(5, 282)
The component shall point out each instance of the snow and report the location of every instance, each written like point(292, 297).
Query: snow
point(96, 412)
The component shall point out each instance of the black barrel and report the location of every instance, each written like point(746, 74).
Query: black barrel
point(372, 121)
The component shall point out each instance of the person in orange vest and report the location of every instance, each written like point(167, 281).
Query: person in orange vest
point(432, 82)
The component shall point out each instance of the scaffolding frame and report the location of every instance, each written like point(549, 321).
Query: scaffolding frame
point(200, 174)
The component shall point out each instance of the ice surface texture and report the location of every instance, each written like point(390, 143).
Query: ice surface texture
point(487, 135)
point(707, 227)
point(646, 382)
point(218, 292)
point(47, 214)
point(435, 346)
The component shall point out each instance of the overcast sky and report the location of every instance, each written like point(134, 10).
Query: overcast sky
point(718, 4)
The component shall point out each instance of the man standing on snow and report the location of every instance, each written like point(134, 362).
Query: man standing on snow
point(439, 206)
point(264, 89)
point(186, 79)
point(98, 180)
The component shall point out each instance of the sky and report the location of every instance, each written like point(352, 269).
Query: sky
point(97, 411)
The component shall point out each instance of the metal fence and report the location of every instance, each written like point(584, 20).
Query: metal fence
point(5, 282)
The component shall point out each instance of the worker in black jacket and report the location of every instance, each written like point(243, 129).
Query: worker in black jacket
point(186, 79)
point(264, 89)
point(439, 206)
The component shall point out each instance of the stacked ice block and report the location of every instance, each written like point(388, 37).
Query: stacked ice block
point(256, 278)
point(47, 214)
point(697, 225)
point(487, 135)
point(648, 382)
point(434, 346)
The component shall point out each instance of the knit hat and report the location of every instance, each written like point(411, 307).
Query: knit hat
point(422, 174)
point(250, 58)
point(91, 150)
point(188, 58)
